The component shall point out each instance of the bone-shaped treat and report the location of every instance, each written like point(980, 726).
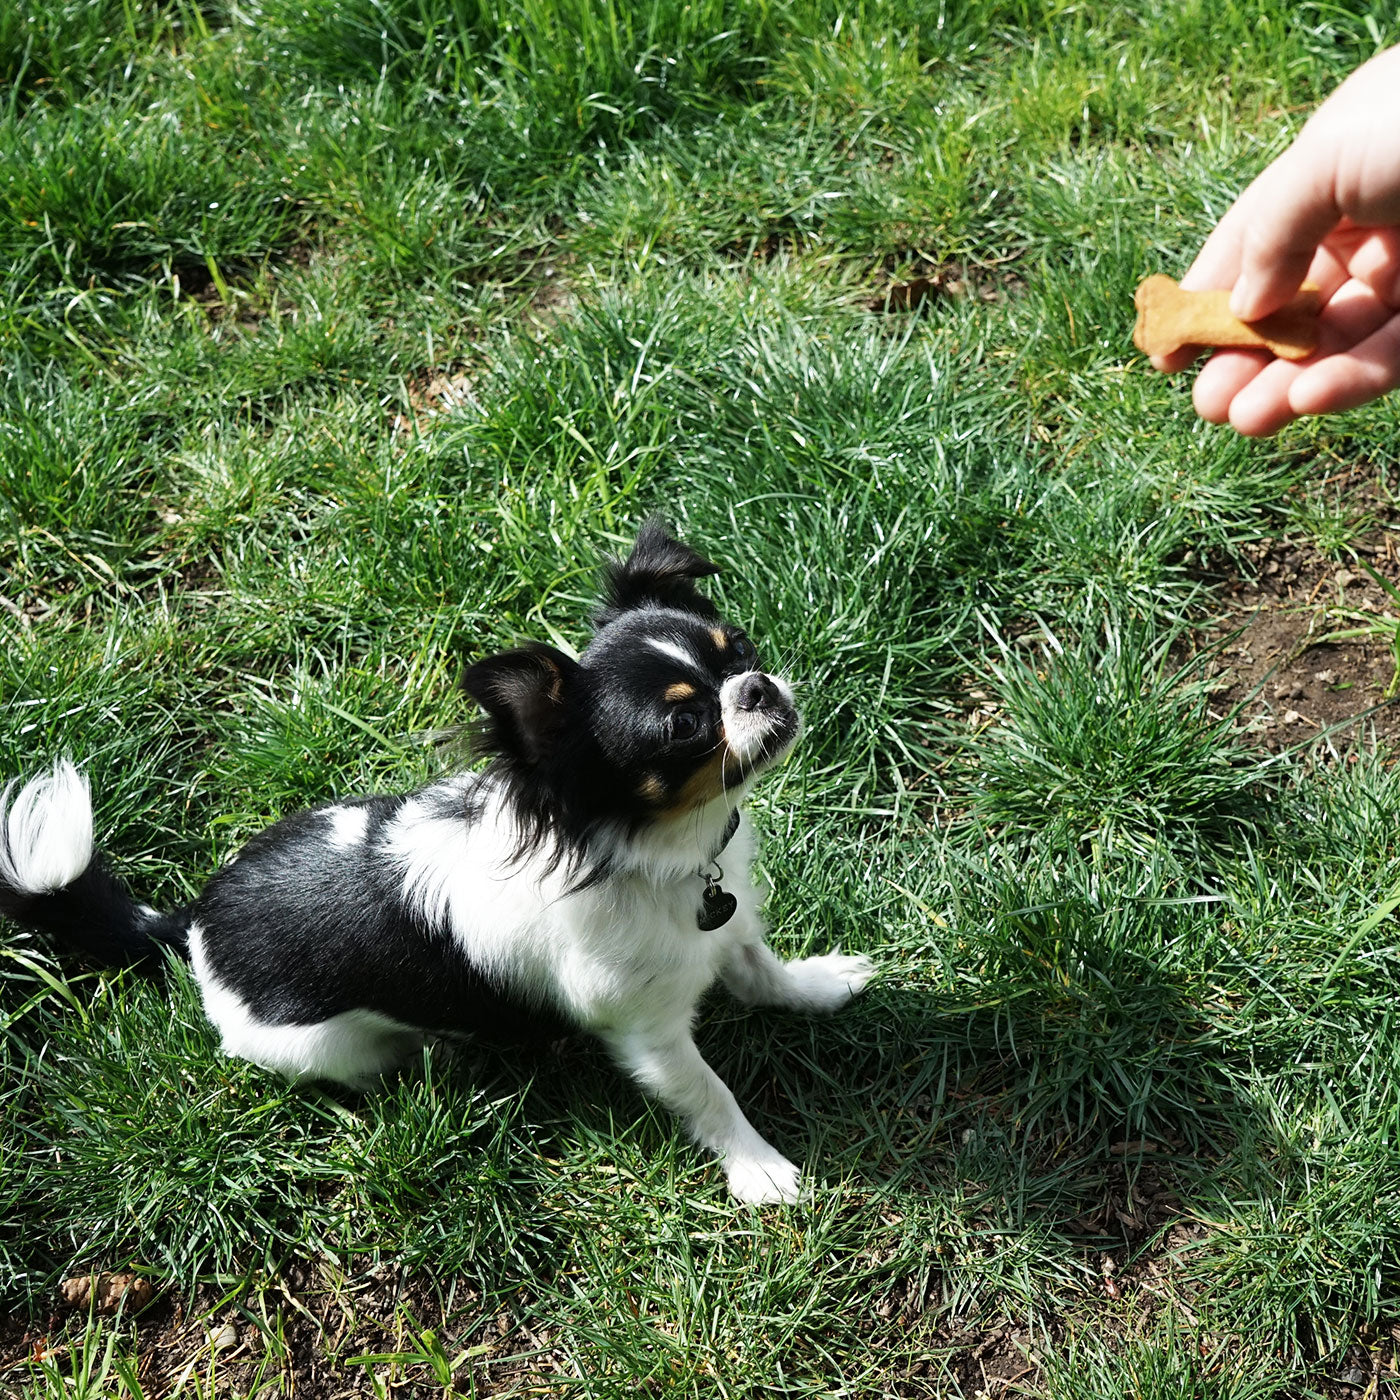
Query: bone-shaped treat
point(1169, 318)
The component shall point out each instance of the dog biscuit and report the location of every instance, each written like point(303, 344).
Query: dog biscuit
point(1169, 318)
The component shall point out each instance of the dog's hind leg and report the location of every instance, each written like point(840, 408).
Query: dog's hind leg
point(356, 1048)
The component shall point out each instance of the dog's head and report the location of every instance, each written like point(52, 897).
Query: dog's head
point(664, 720)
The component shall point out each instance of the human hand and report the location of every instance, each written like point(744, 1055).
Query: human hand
point(1327, 211)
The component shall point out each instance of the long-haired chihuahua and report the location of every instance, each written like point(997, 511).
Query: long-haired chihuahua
point(594, 874)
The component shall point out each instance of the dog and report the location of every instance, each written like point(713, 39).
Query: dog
point(594, 875)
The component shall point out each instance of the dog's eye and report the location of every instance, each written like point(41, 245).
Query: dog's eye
point(744, 649)
point(685, 724)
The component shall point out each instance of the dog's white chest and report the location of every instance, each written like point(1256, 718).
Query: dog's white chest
point(628, 947)
point(631, 952)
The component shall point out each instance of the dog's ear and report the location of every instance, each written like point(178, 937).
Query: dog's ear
point(525, 695)
point(658, 571)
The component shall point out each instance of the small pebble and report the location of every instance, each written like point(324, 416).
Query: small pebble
point(222, 1338)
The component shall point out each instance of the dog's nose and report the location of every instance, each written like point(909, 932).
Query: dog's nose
point(756, 692)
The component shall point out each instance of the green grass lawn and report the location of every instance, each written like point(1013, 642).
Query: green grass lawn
point(340, 339)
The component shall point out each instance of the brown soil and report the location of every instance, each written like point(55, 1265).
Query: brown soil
point(323, 1323)
point(925, 282)
point(432, 394)
point(1294, 686)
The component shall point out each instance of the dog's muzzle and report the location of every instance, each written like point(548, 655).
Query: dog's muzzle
point(760, 719)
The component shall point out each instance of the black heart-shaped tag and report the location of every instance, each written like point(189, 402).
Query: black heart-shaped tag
point(717, 908)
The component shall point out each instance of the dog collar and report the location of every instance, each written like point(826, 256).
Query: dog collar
point(724, 840)
point(717, 905)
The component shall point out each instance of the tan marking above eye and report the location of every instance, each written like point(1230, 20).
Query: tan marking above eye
point(682, 690)
point(721, 641)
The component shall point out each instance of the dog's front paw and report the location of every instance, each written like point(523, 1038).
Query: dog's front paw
point(763, 1181)
point(828, 982)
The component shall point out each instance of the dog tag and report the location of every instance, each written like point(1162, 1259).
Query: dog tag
point(717, 907)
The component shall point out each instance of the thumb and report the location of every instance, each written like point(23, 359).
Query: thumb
point(1288, 211)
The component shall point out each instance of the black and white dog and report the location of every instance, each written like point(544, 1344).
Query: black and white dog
point(576, 879)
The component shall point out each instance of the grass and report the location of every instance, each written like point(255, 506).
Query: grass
point(1386, 627)
point(1121, 1112)
point(1111, 745)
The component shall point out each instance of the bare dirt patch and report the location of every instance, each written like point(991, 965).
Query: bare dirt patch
point(381, 1331)
point(926, 282)
point(553, 296)
point(433, 394)
point(1282, 658)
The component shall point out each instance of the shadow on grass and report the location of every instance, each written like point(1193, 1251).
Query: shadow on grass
point(1025, 1103)
point(1030, 1110)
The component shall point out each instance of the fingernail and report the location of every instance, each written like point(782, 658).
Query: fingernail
point(1242, 299)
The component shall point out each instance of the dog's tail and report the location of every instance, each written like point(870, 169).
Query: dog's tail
point(51, 879)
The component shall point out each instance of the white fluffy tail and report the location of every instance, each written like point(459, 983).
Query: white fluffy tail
point(46, 831)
